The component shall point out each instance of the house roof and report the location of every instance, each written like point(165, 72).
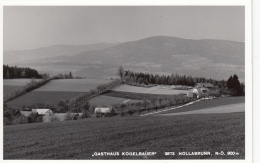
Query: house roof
point(26, 113)
point(203, 85)
point(42, 111)
point(102, 110)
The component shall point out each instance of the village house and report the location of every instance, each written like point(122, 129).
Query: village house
point(102, 111)
point(202, 89)
point(43, 112)
point(25, 113)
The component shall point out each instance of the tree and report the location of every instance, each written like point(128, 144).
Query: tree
point(7, 74)
point(146, 105)
point(233, 84)
point(139, 107)
point(70, 76)
point(121, 72)
point(130, 109)
point(86, 110)
point(32, 118)
point(63, 106)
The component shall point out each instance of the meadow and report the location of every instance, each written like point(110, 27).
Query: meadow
point(42, 97)
point(73, 85)
point(157, 90)
point(134, 96)
point(80, 139)
point(11, 85)
point(205, 104)
point(103, 100)
point(56, 90)
point(11, 88)
point(17, 82)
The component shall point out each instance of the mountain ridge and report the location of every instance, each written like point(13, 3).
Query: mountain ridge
point(159, 54)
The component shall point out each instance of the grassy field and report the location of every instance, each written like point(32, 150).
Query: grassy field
point(11, 85)
point(159, 90)
point(73, 85)
point(11, 88)
point(80, 139)
point(231, 108)
point(54, 91)
point(133, 96)
point(43, 97)
point(208, 104)
point(17, 82)
point(103, 100)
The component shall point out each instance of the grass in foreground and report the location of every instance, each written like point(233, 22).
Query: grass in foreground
point(80, 139)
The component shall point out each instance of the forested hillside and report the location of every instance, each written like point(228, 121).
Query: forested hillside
point(21, 72)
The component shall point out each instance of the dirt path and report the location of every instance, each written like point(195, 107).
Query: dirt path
point(219, 109)
point(190, 103)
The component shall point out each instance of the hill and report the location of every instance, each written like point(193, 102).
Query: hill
point(217, 59)
point(51, 51)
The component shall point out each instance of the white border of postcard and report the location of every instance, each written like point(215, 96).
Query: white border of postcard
point(248, 54)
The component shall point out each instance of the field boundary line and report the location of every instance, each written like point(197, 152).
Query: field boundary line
point(126, 101)
point(174, 107)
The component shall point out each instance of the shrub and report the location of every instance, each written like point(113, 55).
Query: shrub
point(7, 121)
point(39, 118)
point(32, 118)
point(113, 112)
point(54, 118)
point(68, 116)
point(76, 116)
point(21, 119)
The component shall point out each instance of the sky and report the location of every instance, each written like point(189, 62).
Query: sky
point(30, 27)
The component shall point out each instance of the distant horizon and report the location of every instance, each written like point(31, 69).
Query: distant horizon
point(113, 42)
point(32, 27)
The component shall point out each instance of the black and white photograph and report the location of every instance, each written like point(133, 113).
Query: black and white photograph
point(127, 82)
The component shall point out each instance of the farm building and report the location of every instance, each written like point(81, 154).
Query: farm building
point(102, 110)
point(202, 89)
point(25, 113)
point(43, 112)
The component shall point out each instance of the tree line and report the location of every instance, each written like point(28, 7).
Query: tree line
point(232, 86)
point(132, 78)
point(21, 72)
point(147, 105)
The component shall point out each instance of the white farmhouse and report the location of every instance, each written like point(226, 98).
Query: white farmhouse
point(202, 89)
point(102, 110)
